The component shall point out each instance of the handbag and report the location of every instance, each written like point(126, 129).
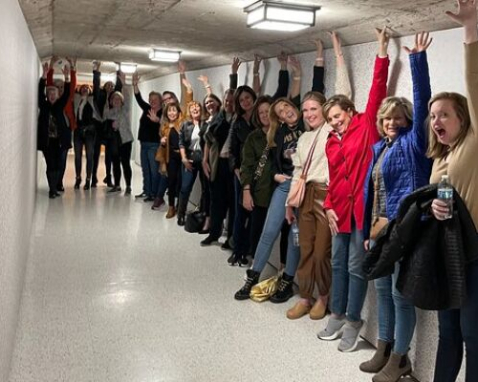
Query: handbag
point(378, 222)
point(297, 190)
point(265, 289)
point(194, 221)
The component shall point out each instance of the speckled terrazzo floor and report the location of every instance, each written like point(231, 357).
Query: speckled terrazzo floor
point(115, 292)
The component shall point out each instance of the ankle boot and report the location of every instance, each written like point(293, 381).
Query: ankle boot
point(158, 202)
point(245, 291)
point(396, 366)
point(171, 212)
point(182, 207)
point(284, 291)
point(77, 183)
point(87, 185)
point(379, 359)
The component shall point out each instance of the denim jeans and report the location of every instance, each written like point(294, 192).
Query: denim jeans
point(349, 286)
point(396, 315)
point(150, 167)
point(242, 222)
point(271, 230)
point(458, 326)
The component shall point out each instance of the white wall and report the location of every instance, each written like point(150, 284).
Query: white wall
point(446, 70)
point(18, 107)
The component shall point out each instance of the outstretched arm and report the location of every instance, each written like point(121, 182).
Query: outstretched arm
point(236, 62)
point(296, 76)
point(256, 81)
point(342, 84)
point(41, 86)
point(318, 84)
point(186, 88)
point(283, 85)
point(205, 81)
point(421, 89)
point(137, 94)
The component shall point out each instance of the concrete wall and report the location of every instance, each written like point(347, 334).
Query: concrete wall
point(18, 110)
point(446, 70)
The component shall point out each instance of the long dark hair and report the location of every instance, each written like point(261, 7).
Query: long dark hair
point(237, 105)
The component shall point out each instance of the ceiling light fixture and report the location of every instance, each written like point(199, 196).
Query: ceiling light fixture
point(127, 67)
point(164, 55)
point(273, 15)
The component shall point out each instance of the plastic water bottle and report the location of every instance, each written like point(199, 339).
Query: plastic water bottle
point(445, 194)
point(295, 234)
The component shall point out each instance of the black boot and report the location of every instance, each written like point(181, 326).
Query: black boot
point(77, 183)
point(182, 206)
point(245, 291)
point(285, 290)
point(94, 182)
point(86, 187)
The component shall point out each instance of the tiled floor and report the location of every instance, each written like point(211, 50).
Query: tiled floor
point(115, 292)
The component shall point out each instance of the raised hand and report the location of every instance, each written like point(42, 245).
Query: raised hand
point(466, 14)
point(295, 64)
point(136, 78)
point(122, 77)
point(46, 68)
point(320, 48)
point(66, 72)
point(383, 39)
point(422, 42)
point(336, 43)
point(204, 79)
point(181, 67)
point(257, 63)
point(53, 59)
point(96, 65)
point(186, 83)
point(152, 116)
point(72, 62)
point(236, 62)
point(282, 58)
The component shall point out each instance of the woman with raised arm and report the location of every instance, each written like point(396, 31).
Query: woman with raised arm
point(399, 166)
point(314, 235)
point(286, 126)
point(149, 140)
point(120, 137)
point(349, 154)
point(54, 136)
point(453, 135)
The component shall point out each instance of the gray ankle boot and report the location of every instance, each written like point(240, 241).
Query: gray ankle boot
point(396, 366)
point(379, 359)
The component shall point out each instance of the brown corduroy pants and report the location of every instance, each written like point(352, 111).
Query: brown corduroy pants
point(315, 243)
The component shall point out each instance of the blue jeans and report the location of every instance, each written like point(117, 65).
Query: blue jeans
point(349, 286)
point(458, 326)
point(271, 230)
point(150, 167)
point(396, 315)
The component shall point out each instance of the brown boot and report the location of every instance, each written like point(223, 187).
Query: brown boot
point(171, 212)
point(300, 309)
point(379, 359)
point(319, 310)
point(396, 366)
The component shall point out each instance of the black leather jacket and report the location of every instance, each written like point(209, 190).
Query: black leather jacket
point(433, 253)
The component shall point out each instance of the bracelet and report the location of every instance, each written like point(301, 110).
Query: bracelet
point(256, 74)
point(319, 59)
point(297, 78)
point(246, 189)
point(207, 86)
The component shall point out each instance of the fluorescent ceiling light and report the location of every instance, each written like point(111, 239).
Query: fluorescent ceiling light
point(272, 15)
point(127, 68)
point(164, 55)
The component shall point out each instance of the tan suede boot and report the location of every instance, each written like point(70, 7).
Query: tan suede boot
point(396, 366)
point(171, 212)
point(379, 359)
point(319, 310)
point(300, 309)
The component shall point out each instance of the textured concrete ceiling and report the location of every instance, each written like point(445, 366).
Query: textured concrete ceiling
point(208, 32)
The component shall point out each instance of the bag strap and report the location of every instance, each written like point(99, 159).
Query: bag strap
point(262, 162)
point(308, 161)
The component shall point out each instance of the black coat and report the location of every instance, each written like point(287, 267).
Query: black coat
point(433, 253)
point(56, 110)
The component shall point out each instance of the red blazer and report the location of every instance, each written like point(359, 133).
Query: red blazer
point(69, 109)
point(349, 157)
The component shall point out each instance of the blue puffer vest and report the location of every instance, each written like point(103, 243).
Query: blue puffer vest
point(405, 166)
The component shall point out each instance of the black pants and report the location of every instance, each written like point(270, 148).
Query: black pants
point(53, 155)
point(205, 205)
point(61, 173)
point(258, 218)
point(120, 157)
point(101, 140)
point(222, 200)
point(174, 177)
point(87, 140)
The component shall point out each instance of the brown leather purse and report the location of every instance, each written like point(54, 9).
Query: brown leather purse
point(378, 222)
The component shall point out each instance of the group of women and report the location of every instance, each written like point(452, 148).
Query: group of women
point(266, 162)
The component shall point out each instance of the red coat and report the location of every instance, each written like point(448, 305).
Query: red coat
point(349, 157)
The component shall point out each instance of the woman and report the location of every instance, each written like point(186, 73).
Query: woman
point(191, 150)
point(216, 166)
point(120, 137)
point(453, 135)
point(87, 119)
point(169, 154)
point(349, 154)
point(314, 234)
point(54, 136)
point(399, 166)
point(149, 140)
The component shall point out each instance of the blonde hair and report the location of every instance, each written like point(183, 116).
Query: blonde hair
point(340, 100)
point(275, 121)
point(436, 149)
point(389, 106)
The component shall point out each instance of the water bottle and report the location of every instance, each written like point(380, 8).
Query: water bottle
point(295, 234)
point(445, 194)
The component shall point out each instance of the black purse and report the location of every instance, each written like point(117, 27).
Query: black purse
point(194, 221)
